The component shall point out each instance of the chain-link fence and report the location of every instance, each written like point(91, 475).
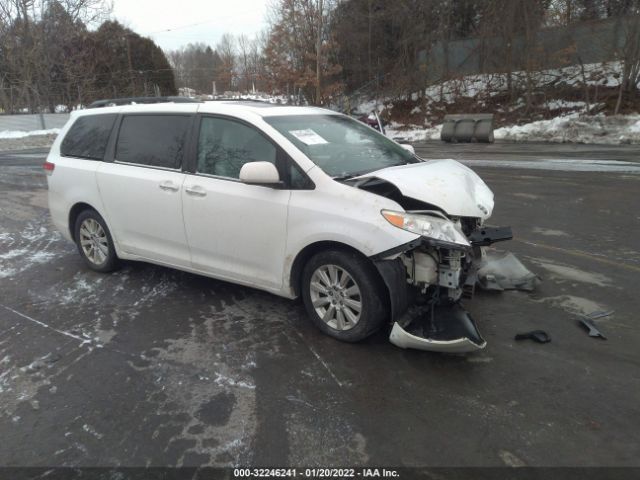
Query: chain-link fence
point(583, 43)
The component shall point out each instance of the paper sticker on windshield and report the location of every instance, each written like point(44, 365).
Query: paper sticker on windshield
point(308, 137)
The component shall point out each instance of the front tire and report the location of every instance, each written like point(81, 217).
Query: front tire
point(94, 242)
point(344, 295)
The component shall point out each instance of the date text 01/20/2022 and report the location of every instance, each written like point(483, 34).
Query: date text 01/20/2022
point(315, 473)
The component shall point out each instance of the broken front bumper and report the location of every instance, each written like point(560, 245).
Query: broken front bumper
point(449, 328)
point(442, 324)
point(403, 339)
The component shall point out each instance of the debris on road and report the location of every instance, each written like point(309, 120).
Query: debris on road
point(591, 328)
point(599, 314)
point(503, 271)
point(539, 336)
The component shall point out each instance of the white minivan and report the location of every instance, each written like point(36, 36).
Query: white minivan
point(297, 201)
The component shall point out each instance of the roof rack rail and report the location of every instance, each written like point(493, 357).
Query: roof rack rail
point(133, 100)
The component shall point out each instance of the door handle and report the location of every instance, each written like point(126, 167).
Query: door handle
point(169, 186)
point(196, 191)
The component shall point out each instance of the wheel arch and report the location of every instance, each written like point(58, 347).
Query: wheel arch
point(295, 276)
point(74, 212)
point(391, 274)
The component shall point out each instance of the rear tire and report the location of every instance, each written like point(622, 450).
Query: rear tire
point(94, 242)
point(344, 295)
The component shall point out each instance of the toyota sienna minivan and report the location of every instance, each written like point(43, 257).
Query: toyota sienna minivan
point(298, 201)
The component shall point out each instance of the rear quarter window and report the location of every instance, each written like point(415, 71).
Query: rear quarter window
point(154, 140)
point(88, 137)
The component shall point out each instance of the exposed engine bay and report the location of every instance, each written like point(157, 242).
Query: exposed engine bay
point(438, 279)
point(429, 278)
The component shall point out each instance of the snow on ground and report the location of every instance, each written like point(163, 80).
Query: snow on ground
point(574, 128)
point(375, 105)
point(571, 128)
point(560, 164)
point(412, 133)
point(574, 123)
point(606, 74)
point(263, 97)
point(21, 134)
point(31, 141)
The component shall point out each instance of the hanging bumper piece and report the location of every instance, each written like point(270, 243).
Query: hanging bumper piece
point(446, 328)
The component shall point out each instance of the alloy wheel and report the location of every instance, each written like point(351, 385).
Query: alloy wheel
point(336, 297)
point(93, 241)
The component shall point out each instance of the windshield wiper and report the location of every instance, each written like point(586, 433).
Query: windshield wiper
point(414, 159)
point(347, 176)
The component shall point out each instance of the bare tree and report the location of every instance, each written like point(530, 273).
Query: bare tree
point(40, 49)
point(195, 66)
point(89, 12)
point(630, 56)
point(244, 51)
point(256, 61)
point(226, 49)
point(301, 52)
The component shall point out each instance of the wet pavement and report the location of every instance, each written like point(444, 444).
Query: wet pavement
point(151, 366)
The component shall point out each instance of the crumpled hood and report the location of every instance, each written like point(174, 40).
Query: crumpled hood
point(447, 184)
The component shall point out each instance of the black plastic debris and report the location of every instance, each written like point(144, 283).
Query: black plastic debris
point(539, 336)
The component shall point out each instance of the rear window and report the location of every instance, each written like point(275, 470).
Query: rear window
point(154, 140)
point(88, 137)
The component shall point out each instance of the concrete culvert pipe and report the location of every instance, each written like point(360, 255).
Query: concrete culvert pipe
point(468, 128)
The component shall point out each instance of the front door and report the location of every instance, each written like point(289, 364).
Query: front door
point(235, 231)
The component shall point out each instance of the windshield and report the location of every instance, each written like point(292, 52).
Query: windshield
point(339, 145)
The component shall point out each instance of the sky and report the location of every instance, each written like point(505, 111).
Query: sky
point(172, 24)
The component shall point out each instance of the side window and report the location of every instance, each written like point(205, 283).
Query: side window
point(224, 146)
point(155, 140)
point(88, 137)
point(298, 180)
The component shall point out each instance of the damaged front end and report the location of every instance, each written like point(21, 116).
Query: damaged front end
point(428, 278)
point(445, 204)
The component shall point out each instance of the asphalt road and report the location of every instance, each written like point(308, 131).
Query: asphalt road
point(150, 366)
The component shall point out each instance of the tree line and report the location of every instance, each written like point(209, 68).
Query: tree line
point(68, 52)
point(295, 56)
point(381, 42)
point(236, 63)
point(322, 50)
point(51, 58)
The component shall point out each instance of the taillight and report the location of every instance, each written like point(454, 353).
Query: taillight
point(48, 167)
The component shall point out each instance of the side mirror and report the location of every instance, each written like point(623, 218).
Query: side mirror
point(408, 148)
point(260, 173)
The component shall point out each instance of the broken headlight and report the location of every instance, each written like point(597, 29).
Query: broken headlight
point(439, 229)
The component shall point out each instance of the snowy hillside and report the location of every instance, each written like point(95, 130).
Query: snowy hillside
point(571, 128)
point(557, 111)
